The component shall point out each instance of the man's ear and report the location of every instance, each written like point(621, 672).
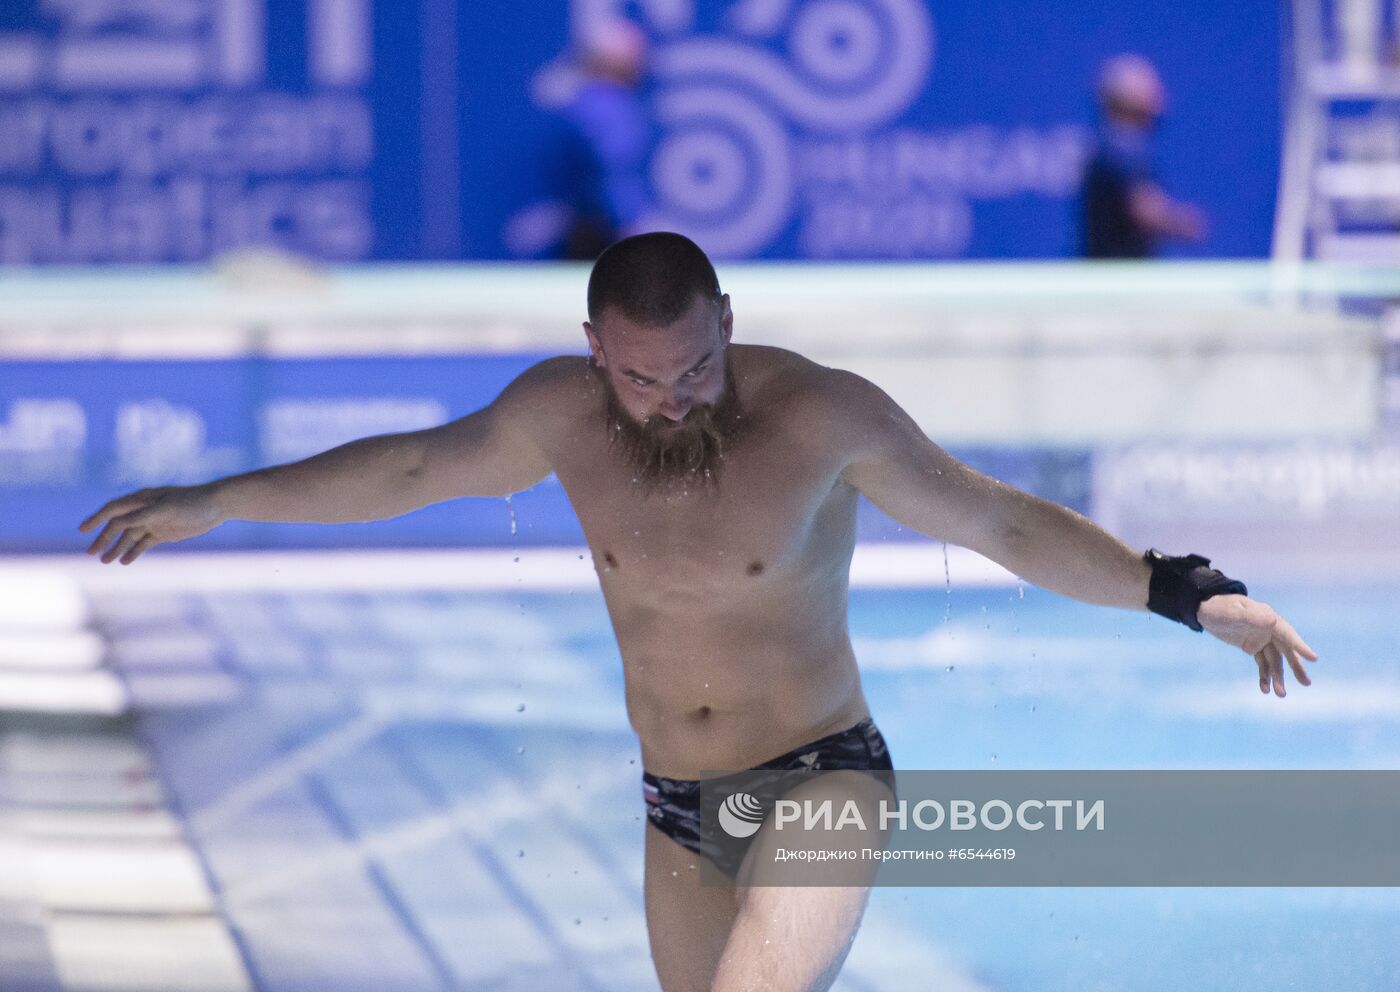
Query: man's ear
point(595, 346)
point(726, 318)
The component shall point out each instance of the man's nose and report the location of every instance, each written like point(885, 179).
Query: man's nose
point(675, 407)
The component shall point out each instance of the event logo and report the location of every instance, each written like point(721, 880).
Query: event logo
point(1308, 480)
point(140, 130)
point(42, 441)
point(794, 113)
point(741, 815)
point(157, 442)
point(726, 165)
point(293, 428)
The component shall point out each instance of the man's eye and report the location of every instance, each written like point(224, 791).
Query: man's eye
point(694, 372)
point(641, 382)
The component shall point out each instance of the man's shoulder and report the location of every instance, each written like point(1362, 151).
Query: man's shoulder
point(555, 372)
point(551, 391)
point(769, 365)
point(812, 393)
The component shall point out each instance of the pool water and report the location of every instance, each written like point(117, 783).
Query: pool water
point(440, 790)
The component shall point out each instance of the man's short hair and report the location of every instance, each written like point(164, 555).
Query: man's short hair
point(651, 278)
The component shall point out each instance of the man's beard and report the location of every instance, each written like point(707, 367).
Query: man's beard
point(689, 454)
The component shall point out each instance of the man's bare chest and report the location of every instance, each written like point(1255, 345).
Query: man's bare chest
point(771, 507)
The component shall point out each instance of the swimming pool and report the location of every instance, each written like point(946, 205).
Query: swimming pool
point(413, 789)
point(422, 777)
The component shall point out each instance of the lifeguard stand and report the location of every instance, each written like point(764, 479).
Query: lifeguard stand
point(1339, 191)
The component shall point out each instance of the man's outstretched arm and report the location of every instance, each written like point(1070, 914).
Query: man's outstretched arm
point(492, 452)
point(923, 487)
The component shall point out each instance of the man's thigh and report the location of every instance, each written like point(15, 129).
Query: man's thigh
point(688, 923)
point(796, 937)
point(829, 799)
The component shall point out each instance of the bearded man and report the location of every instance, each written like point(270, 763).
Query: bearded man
point(717, 486)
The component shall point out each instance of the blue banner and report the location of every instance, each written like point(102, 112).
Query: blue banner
point(75, 434)
point(134, 130)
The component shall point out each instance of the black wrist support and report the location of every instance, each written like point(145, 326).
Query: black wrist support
point(1180, 584)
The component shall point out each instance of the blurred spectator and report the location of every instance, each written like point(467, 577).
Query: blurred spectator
point(1126, 213)
point(608, 134)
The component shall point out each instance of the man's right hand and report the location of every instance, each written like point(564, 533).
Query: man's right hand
point(140, 520)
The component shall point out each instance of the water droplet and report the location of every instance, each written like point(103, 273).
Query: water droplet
point(948, 584)
point(520, 707)
point(631, 761)
point(1032, 707)
point(577, 921)
point(516, 559)
point(511, 507)
point(1020, 589)
point(520, 853)
point(994, 757)
point(580, 557)
point(948, 669)
point(707, 685)
point(520, 750)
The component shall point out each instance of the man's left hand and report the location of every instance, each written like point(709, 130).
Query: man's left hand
point(1256, 629)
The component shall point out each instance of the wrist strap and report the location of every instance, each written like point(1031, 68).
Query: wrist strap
point(1180, 584)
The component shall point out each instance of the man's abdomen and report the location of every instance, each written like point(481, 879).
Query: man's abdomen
point(729, 701)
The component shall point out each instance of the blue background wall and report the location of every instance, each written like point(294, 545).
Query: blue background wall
point(421, 136)
point(75, 434)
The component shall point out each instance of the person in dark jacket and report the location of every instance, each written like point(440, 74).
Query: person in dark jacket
point(1126, 212)
point(608, 132)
